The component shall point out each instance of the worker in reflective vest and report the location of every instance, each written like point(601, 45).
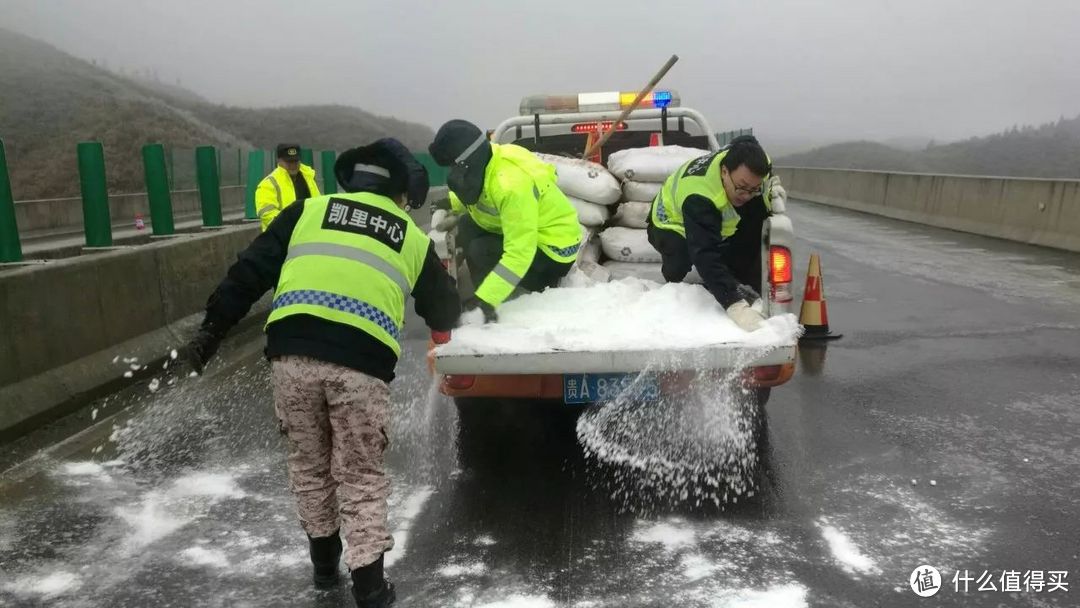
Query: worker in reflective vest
point(520, 232)
point(343, 266)
point(289, 182)
point(709, 216)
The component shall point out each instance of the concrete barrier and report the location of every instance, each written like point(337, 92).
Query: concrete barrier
point(62, 322)
point(1036, 211)
point(71, 314)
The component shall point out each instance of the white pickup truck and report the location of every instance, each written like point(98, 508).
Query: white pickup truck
point(564, 125)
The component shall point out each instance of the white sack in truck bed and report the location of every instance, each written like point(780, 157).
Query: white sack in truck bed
point(624, 315)
point(649, 272)
point(589, 214)
point(628, 245)
point(640, 191)
point(652, 164)
point(585, 180)
point(632, 215)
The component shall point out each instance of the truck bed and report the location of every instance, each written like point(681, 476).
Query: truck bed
point(622, 326)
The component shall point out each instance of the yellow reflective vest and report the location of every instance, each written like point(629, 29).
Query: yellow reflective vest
point(521, 202)
point(352, 259)
point(700, 176)
point(276, 191)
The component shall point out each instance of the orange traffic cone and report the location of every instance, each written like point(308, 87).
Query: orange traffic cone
point(814, 315)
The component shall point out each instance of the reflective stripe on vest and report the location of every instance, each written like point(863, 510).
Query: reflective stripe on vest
point(342, 303)
point(488, 209)
point(354, 254)
point(506, 274)
point(277, 189)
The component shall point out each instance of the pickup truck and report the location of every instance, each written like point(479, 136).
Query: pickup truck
point(564, 125)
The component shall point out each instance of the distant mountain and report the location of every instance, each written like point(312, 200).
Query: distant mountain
point(49, 101)
point(1050, 150)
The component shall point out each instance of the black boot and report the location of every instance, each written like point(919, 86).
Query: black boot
point(325, 556)
point(370, 589)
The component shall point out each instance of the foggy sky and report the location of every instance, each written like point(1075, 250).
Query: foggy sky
point(795, 71)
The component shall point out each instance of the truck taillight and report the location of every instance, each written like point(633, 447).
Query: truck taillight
point(459, 383)
point(780, 273)
point(767, 373)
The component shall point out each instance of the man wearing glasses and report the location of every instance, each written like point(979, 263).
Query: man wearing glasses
point(519, 231)
point(709, 215)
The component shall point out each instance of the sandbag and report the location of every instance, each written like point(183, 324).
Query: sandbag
point(640, 191)
point(585, 180)
point(628, 245)
point(590, 251)
point(632, 214)
point(648, 272)
point(589, 214)
point(585, 274)
point(652, 164)
point(638, 270)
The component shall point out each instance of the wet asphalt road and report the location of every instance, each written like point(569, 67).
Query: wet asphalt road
point(943, 429)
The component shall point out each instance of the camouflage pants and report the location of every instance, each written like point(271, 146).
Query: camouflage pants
point(335, 419)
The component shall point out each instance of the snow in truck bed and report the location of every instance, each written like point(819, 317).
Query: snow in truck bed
point(628, 314)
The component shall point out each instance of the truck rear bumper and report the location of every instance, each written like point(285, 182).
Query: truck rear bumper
point(501, 375)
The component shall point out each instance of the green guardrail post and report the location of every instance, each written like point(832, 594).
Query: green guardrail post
point(206, 170)
point(328, 178)
point(172, 168)
point(436, 174)
point(10, 248)
point(157, 189)
point(307, 156)
point(95, 194)
point(256, 161)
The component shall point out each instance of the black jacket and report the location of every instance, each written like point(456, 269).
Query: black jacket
point(725, 264)
point(256, 271)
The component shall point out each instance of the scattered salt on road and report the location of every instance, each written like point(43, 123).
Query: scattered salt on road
point(844, 551)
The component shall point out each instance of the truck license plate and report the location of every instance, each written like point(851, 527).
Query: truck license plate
point(588, 388)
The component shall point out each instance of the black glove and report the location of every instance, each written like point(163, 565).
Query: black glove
point(490, 316)
point(202, 347)
point(747, 293)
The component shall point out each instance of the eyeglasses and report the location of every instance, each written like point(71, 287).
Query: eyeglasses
point(755, 191)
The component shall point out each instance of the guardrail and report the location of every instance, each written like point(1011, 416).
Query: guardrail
point(1028, 210)
point(160, 200)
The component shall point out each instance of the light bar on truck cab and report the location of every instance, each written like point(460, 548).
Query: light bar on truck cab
point(609, 101)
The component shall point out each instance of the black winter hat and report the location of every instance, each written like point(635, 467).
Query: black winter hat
point(454, 139)
point(384, 167)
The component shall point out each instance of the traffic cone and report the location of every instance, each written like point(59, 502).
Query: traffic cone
point(814, 315)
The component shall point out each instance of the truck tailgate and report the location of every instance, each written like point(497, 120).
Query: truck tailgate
point(720, 356)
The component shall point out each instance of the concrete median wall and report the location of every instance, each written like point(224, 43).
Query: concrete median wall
point(1037, 211)
point(62, 322)
point(57, 312)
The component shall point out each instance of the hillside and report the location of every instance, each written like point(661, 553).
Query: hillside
point(49, 101)
point(1050, 150)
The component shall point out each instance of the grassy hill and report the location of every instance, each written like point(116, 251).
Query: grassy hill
point(1050, 150)
point(50, 101)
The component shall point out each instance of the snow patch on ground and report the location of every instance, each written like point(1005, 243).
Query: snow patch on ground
point(521, 601)
point(405, 514)
point(781, 596)
point(213, 485)
point(844, 551)
point(621, 315)
point(201, 556)
point(671, 534)
point(455, 570)
point(45, 587)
